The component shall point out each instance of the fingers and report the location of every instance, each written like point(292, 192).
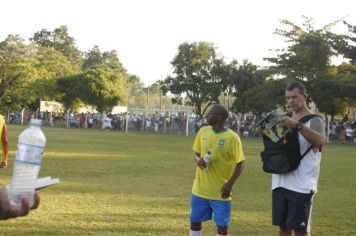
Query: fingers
point(202, 164)
point(281, 118)
point(25, 207)
point(5, 206)
point(24, 210)
point(285, 121)
point(36, 201)
point(8, 211)
point(225, 192)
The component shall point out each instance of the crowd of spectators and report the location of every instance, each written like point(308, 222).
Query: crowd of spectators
point(159, 123)
point(170, 123)
point(342, 131)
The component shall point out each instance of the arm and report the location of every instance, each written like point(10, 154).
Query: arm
point(226, 189)
point(200, 161)
point(315, 135)
point(5, 147)
point(317, 126)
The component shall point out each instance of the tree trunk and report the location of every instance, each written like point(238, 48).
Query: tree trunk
point(22, 115)
point(327, 130)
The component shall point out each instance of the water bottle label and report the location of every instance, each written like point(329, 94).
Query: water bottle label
point(28, 153)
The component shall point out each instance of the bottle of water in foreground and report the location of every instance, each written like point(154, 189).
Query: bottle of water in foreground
point(207, 159)
point(27, 163)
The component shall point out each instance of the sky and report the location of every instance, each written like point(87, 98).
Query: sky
point(146, 33)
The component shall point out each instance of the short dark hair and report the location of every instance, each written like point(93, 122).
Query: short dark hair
point(221, 110)
point(296, 84)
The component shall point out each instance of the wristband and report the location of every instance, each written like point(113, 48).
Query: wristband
point(197, 158)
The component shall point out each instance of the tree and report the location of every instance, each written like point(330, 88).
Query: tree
point(263, 98)
point(105, 88)
point(350, 51)
point(100, 87)
point(15, 62)
point(60, 40)
point(345, 76)
point(71, 89)
point(244, 78)
point(307, 58)
point(335, 94)
point(196, 80)
point(136, 97)
point(95, 58)
point(308, 53)
point(39, 82)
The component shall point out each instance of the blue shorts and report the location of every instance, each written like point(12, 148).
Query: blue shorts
point(202, 210)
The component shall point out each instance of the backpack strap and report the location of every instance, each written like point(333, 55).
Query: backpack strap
point(306, 118)
point(306, 152)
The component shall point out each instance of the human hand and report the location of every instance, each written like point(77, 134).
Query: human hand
point(201, 164)
point(3, 164)
point(286, 121)
point(259, 131)
point(8, 211)
point(226, 190)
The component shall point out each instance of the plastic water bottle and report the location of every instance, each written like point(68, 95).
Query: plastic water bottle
point(27, 164)
point(207, 159)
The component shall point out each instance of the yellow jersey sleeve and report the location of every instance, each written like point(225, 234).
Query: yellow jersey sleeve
point(237, 151)
point(197, 143)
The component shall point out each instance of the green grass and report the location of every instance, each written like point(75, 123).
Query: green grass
point(138, 184)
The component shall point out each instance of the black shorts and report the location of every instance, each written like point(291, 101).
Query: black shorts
point(291, 209)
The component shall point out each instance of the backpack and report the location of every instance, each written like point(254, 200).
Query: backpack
point(284, 156)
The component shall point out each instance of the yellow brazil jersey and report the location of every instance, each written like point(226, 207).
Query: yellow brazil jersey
point(226, 152)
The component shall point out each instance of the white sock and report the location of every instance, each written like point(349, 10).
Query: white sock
point(195, 233)
point(221, 235)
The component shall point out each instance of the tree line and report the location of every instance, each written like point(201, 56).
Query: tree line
point(51, 67)
point(200, 76)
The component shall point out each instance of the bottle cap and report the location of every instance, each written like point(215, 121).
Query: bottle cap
point(36, 122)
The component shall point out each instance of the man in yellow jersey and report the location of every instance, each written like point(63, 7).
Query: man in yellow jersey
point(211, 193)
point(4, 142)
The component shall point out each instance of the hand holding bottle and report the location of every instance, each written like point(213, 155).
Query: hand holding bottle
point(203, 163)
point(27, 164)
point(207, 159)
point(8, 211)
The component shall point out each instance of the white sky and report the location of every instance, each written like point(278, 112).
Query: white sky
point(146, 33)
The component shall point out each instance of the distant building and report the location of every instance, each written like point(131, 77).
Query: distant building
point(51, 106)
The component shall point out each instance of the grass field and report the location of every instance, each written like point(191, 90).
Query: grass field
point(138, 184)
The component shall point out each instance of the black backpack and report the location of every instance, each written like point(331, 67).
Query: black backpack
point(283, 156)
